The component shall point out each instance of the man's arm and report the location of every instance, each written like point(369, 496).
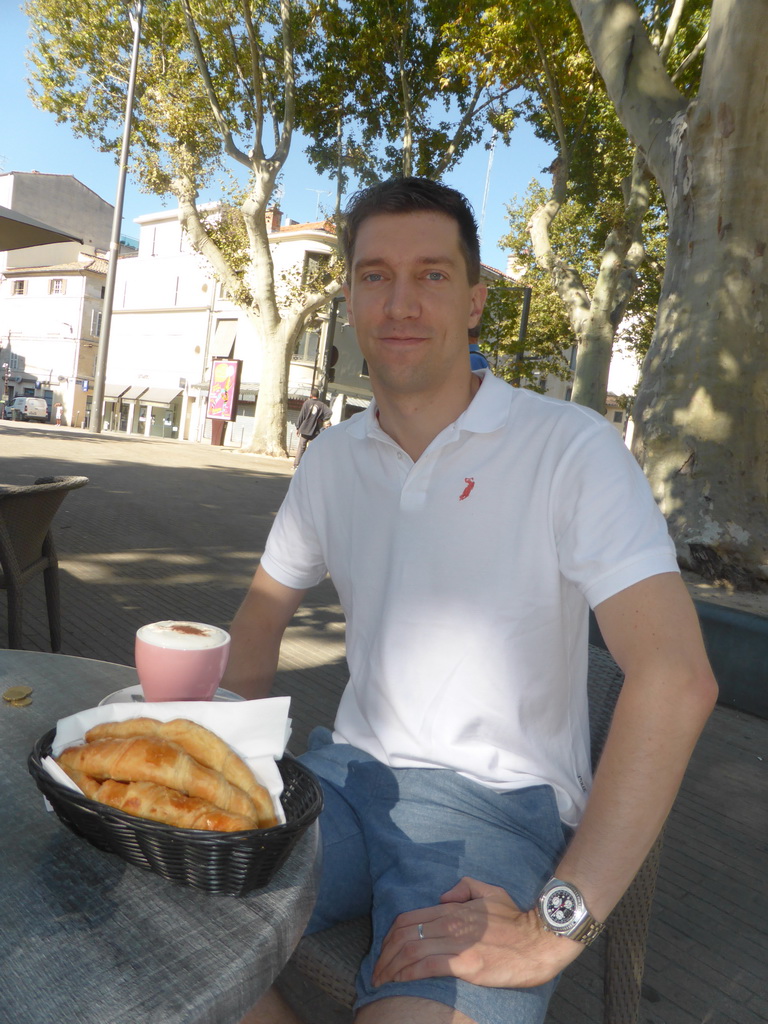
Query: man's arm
point(257, 631)
point(477, 933)
point(669, 691)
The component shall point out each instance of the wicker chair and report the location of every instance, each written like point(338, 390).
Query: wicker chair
point(329, 960)
point(27, 548)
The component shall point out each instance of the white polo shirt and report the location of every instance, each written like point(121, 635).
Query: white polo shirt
point(466, 579)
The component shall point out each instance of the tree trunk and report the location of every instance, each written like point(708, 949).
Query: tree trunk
point(701, 414)
point(593, 361)
point(272, 402)
point(594, 319)
point(622, 255)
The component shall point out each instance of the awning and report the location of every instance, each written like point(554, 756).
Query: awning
point(134, 391)
point(18, 231)
point(114, 391)
point(160, 396)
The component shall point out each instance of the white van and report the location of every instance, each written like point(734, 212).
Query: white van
point(29, 409)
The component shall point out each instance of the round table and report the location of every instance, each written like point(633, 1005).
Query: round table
point(86, 936)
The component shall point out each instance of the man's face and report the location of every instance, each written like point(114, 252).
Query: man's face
point(411, 303)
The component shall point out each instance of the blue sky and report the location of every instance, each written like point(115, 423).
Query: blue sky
point(31, 140)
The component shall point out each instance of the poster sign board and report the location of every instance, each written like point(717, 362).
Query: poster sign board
point(224, 389)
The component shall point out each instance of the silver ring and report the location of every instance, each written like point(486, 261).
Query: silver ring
point(421, 931)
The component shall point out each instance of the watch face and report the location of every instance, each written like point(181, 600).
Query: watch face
point(561, 907)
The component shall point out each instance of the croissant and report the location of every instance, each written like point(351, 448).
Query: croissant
point(151, 759)
point(159, 803)
point(88, 785)
point(204, 746)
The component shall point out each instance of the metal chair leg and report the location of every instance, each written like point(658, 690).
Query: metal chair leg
point(15, 615)
point(53, 603)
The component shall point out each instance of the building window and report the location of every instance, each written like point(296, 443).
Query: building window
point(57, 286)
point(315, 272)
point(19, 287)
point(96, 323)
point(306, 347)
point(618, 417)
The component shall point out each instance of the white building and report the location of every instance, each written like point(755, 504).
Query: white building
point(51, 296)
point(171, 318)
point(63, 202)
point(51, 319)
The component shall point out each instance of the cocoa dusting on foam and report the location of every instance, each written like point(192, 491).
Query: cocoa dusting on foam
point(188, 630)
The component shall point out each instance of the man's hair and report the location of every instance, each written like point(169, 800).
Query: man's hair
point(413, 195)
point(314, 393)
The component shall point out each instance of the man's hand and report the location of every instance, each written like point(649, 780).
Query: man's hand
point(477, 933)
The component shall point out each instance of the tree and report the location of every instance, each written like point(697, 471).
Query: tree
point(701, 414)
point(536, 48)
point(225, 85)
point(530, 358)
point(577, 235)
point(380, 97)
point(549, 336)
point(217, 83)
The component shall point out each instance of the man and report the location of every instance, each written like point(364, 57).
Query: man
point(457, 779)
point(477, 361)
point(312, 417)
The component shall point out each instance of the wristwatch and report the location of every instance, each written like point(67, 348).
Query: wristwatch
point(562, 910)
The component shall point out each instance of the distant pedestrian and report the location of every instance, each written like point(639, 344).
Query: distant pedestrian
point(58, 414)
point(477, 360)
point(313, 416)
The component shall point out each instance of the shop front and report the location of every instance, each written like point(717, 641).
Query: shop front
point(160, 413)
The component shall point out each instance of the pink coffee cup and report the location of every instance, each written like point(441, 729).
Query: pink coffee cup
point(178, 660)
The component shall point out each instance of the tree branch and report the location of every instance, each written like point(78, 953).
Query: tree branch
point(405, 88)
point(642, 92)
point(672, 26)
point(701, 45)
point(289, 80)
point(556, 109)
point(189, 216)
point(636, 202)
point(229, 143)
point(566, 280)
point(469, 113)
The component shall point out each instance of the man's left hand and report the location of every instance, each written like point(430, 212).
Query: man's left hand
point(477, 933)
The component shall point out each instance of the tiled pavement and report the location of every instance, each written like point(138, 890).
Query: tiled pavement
point(173, 530)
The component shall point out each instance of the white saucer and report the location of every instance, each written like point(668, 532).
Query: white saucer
point(133, 694)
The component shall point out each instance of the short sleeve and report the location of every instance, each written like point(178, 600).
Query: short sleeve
point(293, 554)
point(609, 531)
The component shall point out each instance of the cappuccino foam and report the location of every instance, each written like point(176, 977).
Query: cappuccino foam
point(183, 636)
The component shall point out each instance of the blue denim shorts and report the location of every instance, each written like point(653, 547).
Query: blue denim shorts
point(395, 839)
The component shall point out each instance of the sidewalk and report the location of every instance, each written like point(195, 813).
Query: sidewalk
point(174, 530)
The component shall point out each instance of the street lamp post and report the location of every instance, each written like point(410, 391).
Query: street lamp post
point(95, 422)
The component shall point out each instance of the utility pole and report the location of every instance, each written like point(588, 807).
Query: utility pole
point(95, 422)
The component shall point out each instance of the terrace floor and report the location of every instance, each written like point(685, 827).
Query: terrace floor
point(174, 530)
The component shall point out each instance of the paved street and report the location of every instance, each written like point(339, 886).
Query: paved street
point(174, 530)
point(164, 531)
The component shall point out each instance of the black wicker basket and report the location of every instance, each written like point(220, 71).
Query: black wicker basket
point(223, 863)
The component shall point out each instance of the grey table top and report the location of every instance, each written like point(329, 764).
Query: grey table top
point(86, 937)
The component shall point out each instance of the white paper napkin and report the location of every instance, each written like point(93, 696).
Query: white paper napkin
point(258, 730)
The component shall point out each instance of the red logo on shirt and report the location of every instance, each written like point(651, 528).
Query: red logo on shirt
point(470, 482)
